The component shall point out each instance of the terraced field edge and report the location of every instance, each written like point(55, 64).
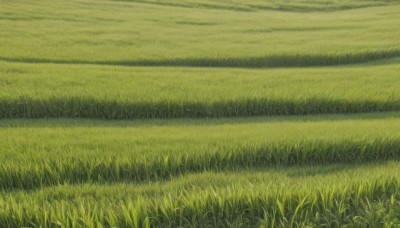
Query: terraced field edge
point(108, 109)
point(271, 61)
point(108, 169)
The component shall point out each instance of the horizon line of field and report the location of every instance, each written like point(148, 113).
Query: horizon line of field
point(77, 107)
point(269, 61)
point(38, 173)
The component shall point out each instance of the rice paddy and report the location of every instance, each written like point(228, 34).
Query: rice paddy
point(145, 113)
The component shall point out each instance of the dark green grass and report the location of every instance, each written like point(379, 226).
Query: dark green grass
point(103, 109)
point(285, 60)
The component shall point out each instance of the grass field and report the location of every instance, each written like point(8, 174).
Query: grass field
point(199, 113)
point(51, 90)
point(144, 34)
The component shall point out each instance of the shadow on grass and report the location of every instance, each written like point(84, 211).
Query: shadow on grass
point(75, 107)
point(95, 123)
point(105, 169)
point(296, 60)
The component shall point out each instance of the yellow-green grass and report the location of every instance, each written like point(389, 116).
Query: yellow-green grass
point(331, 196)
point(47, 152)
point(257, 5)
point(139, 33)
point(111, 92)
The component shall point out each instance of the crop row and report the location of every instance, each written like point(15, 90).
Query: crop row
point(366, 196)
point(38, 153)
point(89, 91)
point(287, 60)
point(103, 109)
point(107, 168)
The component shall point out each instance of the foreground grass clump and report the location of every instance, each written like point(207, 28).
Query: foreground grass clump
point(95, 151)
point(281, 197)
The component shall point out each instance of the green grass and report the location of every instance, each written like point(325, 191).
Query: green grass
point(142, 33)
point(282, 197)
point(109, 92)
point(199, 113)
point(85, 151)
point(291, 5)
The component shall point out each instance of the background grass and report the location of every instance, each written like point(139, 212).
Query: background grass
point(291, 5)
point(163, 33)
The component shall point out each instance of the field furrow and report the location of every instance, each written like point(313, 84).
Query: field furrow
point(272, 61)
